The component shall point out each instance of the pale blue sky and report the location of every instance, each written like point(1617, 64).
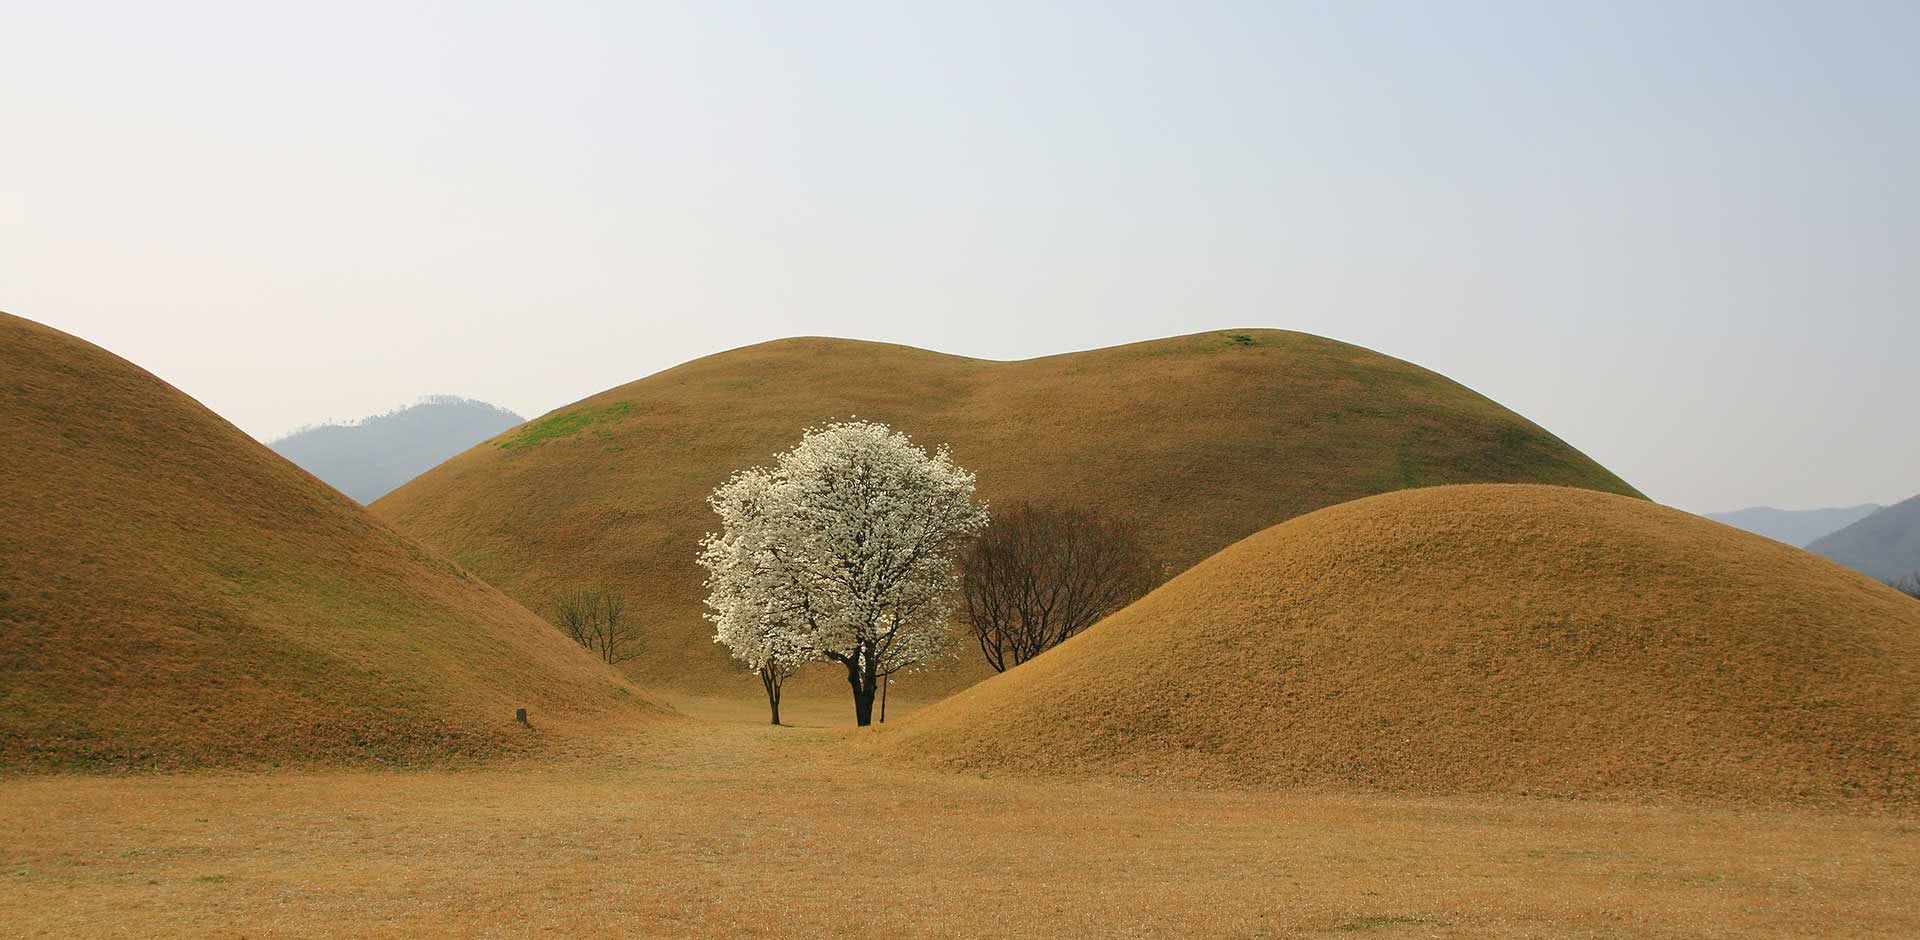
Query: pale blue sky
point(1681, 235)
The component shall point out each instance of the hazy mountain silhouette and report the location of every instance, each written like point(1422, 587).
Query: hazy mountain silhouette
point(1797, 527)
point(1885, 545)
point(368, 458)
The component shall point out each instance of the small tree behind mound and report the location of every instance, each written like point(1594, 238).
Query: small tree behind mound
point(1042, 573)
point(596, 619)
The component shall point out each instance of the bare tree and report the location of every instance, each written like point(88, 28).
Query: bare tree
point(1040, 574)
point(596, 619)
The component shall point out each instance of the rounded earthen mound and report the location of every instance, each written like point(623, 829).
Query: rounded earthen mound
point(174, 594)
point(1204, 439)
point(1488, 639)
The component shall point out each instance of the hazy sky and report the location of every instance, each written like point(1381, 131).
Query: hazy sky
point(1683, 236)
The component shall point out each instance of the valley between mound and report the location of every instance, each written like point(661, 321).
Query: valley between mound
point(173, 594)
point(1480, 639)
point(1203, 439)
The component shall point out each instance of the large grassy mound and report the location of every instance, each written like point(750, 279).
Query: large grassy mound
point(1205, 439)
point(174, 594)
point(1495, 639)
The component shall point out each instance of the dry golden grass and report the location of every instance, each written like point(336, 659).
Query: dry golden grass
point(726, 828)
point(174, 594)
point(1205, 439)
point(1478, 639)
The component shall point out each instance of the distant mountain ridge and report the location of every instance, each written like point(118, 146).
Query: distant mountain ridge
point(1885, 545)
point(368, 458)
point(1796, 527)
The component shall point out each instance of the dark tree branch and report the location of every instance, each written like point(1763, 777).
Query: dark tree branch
point(1041, 574)
point(596, 619)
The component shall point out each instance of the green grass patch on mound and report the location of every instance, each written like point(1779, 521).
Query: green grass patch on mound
point(565, 424)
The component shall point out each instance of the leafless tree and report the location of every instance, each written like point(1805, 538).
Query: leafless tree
point(1040, 574)
point(596, 619)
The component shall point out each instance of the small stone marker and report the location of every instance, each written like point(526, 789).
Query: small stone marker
point(520, 715)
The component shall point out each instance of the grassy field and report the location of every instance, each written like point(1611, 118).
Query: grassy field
point(722, 826)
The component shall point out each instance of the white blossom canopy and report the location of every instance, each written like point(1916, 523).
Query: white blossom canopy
point(843, 550)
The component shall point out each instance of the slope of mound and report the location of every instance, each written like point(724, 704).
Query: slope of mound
point(1495, 639)
point(1885, 545)
point(174, 594)
point(368, 458)
point(1205, 439)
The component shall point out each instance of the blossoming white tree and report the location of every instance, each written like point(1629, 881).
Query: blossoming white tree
point(842, 550)
point(757, 609)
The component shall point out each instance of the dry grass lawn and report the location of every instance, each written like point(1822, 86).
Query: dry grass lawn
point(722, 827)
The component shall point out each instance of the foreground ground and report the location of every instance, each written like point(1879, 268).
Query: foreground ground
point(725, 827)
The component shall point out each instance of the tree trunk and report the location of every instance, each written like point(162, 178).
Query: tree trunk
point(862, 682)
point(863, 707)
point(772, 683)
